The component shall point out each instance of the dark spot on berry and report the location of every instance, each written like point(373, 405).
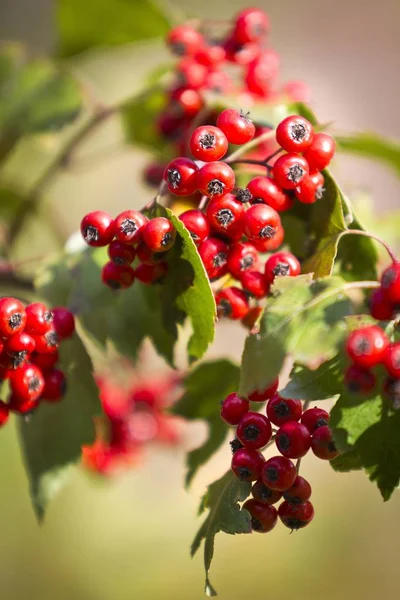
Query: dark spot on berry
point(235, 445)
point(256, 524)
point(246, 262)
point(281, 409)
point(265, 493)
point(220, 259)
point(215, 186)
point(292, 499)
point(331, 446)
point(174, 178)
point(207, 141)
point(90, 234)
point(34, 384)
point(128, 226)
point(363, 346)
point(48, 316)
point(245, 116)
point(353, 386)
point(244, 473)
point(194, 236)
point(294, 524)
point(52, 338)
point(267, 232)
point(281, 269)
point(257, 201)
point(321, 423)
point(243, 195)
point(272, 474)
point(15, 320)
point(295, 173)
point(113, 284)
point(18, 359)
point(224, 308)
point(298, 132)
point(319, 192)
point(284, 441)
point(178, 48)
point(167, 239)
point(251, 432)
point(225, 217)
point(388, 278)
point(118, 260)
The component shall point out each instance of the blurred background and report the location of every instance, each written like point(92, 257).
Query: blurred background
point(129, 537)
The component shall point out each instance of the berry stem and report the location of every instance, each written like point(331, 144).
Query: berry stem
point(268, 135)
point(203, 202)
point(162, 190)
point(372, 237)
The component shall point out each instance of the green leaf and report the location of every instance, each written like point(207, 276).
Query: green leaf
point(317, 384)
point(53, 437)
point(205, 387)
point(98, 23)
point(357, 255)
point(348, 461)
point(221, 499)
point(374, 146)
point(303, 319)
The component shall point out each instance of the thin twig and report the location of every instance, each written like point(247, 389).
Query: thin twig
point(372, 237)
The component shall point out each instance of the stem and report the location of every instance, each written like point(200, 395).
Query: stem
point(203, 202)
point(268, 135)
point(162, 189)
point(372, 237)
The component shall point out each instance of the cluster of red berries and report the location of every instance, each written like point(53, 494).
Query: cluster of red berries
point(130, 237)
point(134, 417)
point(29, 341)
point(277, 477)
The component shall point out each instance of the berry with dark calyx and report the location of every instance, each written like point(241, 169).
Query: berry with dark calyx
point(186, 103)
point(44, 361)
point(117, 277)
point(390, 283)
point(243, 195)
point(293, 439)
point(391, 389)
point(191, 74)
point(392, 360)
point(235, 445)
point(299, 492)
point(296, 516)
point(321, 152)
point(367, 346)
point(294, 134)
point(264, 494)
point(184, 40)
point(279, 473)
point(12, 317)
point(215, 179)
point(242, 258)
point(311, 188)
point(254, 431)
point(322, 443)
point(266, 394)
point(54, 385)
point(261, 222)
point(281, 264)
point(359, 380)
point(269, 244)
point(281, 410)
point(120, 253)
point(232, 303)
point(4, 413)
point(20, 342)
point(236, 125)
point(63, 322)
point(264, 517)
point(247, 464)
point(264, 189)
point(251, 25)
point(9, 363)
point(47, 343)
point(147, 256)
point(128, 226)
point(241, 54)
point(97, 228)
point(208, 143)
point(149, 274)
point(21, 406)
point(254, 283)
point(214, 254)
point(181, 176)
point(314, 418)
point(225, 215)
point(39, 319)
point(380, 307)
point(233, 409)
point(27, 383)
point(290, 170)
point(159, 234)
point(197, 224)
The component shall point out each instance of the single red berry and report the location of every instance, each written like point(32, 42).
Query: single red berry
point(208, 143)
point(236, 125)
point(254, 431)
point(299, 492)
point(359, 380)
point(39, 319)
point(254, 283)
point(314, 418)
point(390, 283)
point(117, 276)
point(281, 264)
point(4, 413)
point(153, 173)
point(159, 234)
point(181, 176)
point(261, 222)
point(27, 382)
point(264, 494)
point(128, 226)
point(321, 151)
point(9, 363)
point(242, 258)
point(12, 317)
point(18, 348)
point(261, 73)
point(232, 303)
point(251, 25)
point(149, 274)
point(170, 126)
point(263, 516)
point(252, 316)
point(197, 224)
point(367, 346)
point(296, 516)
point(45, 361)
point(120, 253)
point(293, 439)
point(265, 190)
point(266, 394)
point(191, 74)
point(294, 134)
point(97, 228)
point(279, 473)
point(233, 408)
point(54, 385)
point(47, 343)
point(392, 360)
point(63, 322)
point(281, 410)
point(209, 56)
point(241, 54)
point(290, 170)
point(184, 40)
point(20, 406)
point(215, 179)
point(311, 188)
point(147, 256)
point(214, 254)
point(380, 307)
point(219, 82)
point(225, 215)
point(322, 443)
point(186, 103)
point(247, 464)
point(269, 244)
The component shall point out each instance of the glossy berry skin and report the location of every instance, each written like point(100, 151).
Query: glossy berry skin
point(159, 234)
point(290, 170)
point(263, 516)
point(39, 319)
point(63, 322)
point(296, 516)
point(265, 189)
point(299, 492)
point(279, 473)
point(261, 72)
point(120, 253)
point(242, 258)
point(264, 494)
point(147, 256)
point(251, 25)
point(181, 176)
point(321, 152)
point(184, 40)
point(266, 394)
point(20, 342)
point(392, 360)
point(210, 56)
point(294, 134)
point(380, 307)
point(214, 254)
point(186, 103)
point(282, 410)
point(281, 264)
point(250, 319)
point(314, 418)
point(54, 385)
point(215, 179)
point(254, 283)
point(12, 317)
point(27, 382)
point(128, 226)
point(311, 188)
point(153, 174)
point(269, 244)
point(117, 277)
point(20, 406)
point(231, 303)
point(390, 283)
point(261, 222)
point(4, 413)
point(367, 346)
point(97, 228)
point(149, 274)
point(254, 431)
point(236, 125)
point(197, 224)
point(322, 443)
point(208, 143)
point(233, 409)
point(225, 215)
point(44, 361)
point(47, 343)
point(247, 464)
point(191, 74)
point(293, 440)
point(359, 380)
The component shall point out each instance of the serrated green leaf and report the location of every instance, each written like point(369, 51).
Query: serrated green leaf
point(348, 461)
point(372, 145)
point(221, 499)
point(318, 384)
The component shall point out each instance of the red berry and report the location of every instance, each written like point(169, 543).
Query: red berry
point(225, 215)
point(390, 282)
point(44, 361)
point(128, 226)
point(20, 406)
point(252, 316)
point(12, 317)
point(39, 319)
point(321, 151)
point(117, 276)
point(214, 254)
point(392, 360)
point(184, 40)
point(251, 25)
point(147, 256)
point(367, 346)
point(4, 413)
point(247, 464)
point(311, 188)
point(215, 179)
point(261, 72)
point(299, 492)
point(149, 274)
point(191, 74)
point(153, 173)
point(181, 176)
point(233, 409)
point(263, 516)
point(279, 473)
point(290, 170)
point(261, 222)
point(294, 134)
point(159, 234)
point(281, 264)
point(266, 394)
point(27, 383)
point(20, 342)
point(270, 244)
point(254, 431)
point(281, 410)
point(186, 103)
point(359, 380)
point(254, 283)
point(209, 56)
point(314, 418)
point(120, 253)
point(47, 343)
point(242, 258)
point(322, 443)
point(241, 54)
point(208, 143)
point(380, 307)
point(232, 303)
point(63, 322)
point(54, 385)
point(264, 494)
point(236, 125)
point(9, 363)
point(293, 439)
point(218, 82)
point(197, 224)
point(265, 190)
point(296, 516)
point(97, 228)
